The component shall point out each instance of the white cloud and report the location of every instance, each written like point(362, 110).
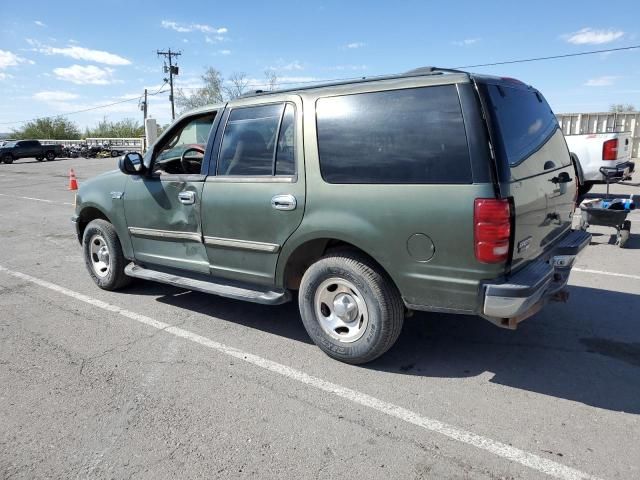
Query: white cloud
point(214, 39)
point(589, 36)
point(355, 45)
point(466, 42)
point(342, 68)
point(603, 81)
point(54, 96)
point(39, 23)
point(5, 76)
point(224, 52)
point(81, 53)
point(295, 65)
point(85, 75)
point(10, 59)
point(192, 27)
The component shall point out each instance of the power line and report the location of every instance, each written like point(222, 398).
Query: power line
point(553, 57)
point(97, 107)
point(506, 62)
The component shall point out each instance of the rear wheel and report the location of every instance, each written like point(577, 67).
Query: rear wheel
point(7, 159)
point(349, 308)
point(50, 156)
point(584, 188)
point(103, 255)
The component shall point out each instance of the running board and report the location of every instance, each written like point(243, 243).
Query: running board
point(216, 286)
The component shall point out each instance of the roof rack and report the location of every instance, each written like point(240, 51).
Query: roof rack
point(417, 72)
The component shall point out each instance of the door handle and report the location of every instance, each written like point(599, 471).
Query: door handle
point(284, 202)
point(187, 198)
point(563, 177)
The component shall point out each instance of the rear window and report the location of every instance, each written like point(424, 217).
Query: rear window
point(397, 137)
point(523, 118)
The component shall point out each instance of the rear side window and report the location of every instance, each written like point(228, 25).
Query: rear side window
point(524, 119)
point(406, 136)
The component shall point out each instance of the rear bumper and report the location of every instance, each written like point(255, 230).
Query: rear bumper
point(506, 303)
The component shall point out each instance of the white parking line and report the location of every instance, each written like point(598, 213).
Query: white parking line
point(500, 449)
point(36, 199)
point(601, 272)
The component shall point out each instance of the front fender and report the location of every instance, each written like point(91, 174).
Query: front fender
point(105, 194)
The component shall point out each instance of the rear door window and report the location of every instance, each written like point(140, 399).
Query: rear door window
point(409, 136)
point(523, 119)
point(259, 141)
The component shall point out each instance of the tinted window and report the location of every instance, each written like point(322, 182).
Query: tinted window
point(285, 158)
point(403, 136)
point(249, 141)
point(523, 118)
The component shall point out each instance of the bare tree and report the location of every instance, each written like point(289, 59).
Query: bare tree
point(271, 80)
point(236, 85)
point(622, 107)
point(211, 92)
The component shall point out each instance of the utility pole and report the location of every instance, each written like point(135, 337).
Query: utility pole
point(172, 70)
point(145, 105)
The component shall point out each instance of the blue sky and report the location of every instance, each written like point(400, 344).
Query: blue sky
point(58, 57)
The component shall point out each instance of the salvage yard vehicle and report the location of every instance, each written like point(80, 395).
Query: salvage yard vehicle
point(29, 149)
point(435, 190)
point(593, 151)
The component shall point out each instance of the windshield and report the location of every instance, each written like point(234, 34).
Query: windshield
point(523, 119)
point(9, 144)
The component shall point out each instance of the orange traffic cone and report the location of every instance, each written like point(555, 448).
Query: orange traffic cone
point(73, 181)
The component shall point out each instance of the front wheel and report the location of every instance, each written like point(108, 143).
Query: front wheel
point(350, 308)
point(103, 255)
point(8, 159)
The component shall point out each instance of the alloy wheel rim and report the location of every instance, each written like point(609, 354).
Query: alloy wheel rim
point(341, 310)
point(99, 255)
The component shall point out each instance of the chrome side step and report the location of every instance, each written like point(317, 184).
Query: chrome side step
point(216, 286)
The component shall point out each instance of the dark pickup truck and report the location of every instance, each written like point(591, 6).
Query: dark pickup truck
point(29, 149)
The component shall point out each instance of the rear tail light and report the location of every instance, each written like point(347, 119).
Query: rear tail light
point(610, 149)
point(491, 229)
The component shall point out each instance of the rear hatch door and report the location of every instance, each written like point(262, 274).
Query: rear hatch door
point(533, 164)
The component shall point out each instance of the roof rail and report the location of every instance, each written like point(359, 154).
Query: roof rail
point(429, 70)
point(411, 73)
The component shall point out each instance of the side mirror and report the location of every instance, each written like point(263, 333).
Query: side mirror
point(131, 164)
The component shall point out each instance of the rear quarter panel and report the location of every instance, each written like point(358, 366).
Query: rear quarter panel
point(381, 219)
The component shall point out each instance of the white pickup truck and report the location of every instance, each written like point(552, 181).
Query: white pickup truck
point(592, 151)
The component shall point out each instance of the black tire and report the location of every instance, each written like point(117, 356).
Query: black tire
point(584, 188)
point(39, 159)
point(8, 159)
point(115, 277)
point(384, 306)
point(50, 156)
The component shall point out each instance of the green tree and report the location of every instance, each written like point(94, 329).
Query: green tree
point(125, 128)
point(58, 128)
point(622, 107)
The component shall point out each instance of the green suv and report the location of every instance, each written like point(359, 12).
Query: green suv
point(434, 190)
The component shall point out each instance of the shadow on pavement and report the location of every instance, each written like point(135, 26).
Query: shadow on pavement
point(587, 350)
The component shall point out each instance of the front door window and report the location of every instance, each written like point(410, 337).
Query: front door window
point(183, 151)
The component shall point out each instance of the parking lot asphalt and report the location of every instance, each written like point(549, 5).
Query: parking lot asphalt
point(159, 382)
